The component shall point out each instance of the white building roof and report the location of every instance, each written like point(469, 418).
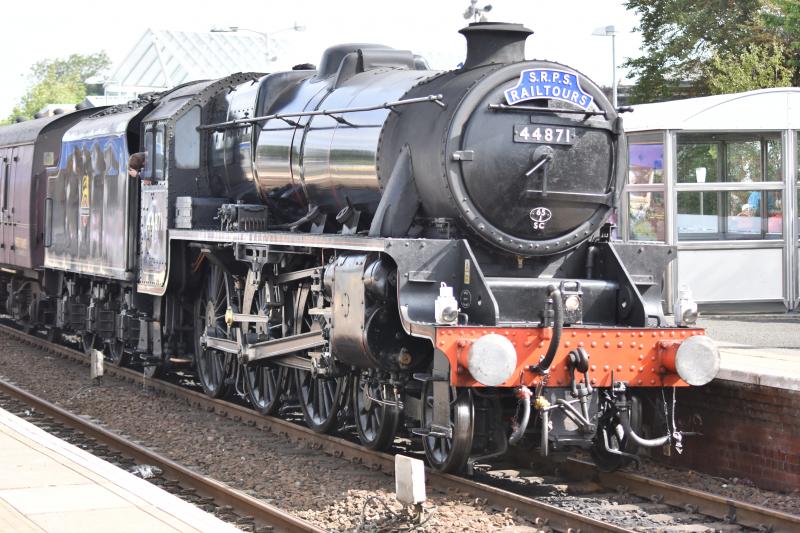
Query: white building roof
point(164, 59)
point(764, 109)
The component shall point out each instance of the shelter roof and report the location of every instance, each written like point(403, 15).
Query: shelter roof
point(764, 109)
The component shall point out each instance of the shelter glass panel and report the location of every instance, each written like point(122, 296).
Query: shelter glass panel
point(774, 171)
point(743, 162)
point(698, 162)
point(749, 217)
point(646, 216)
point(646, 159)
point(698, 214)
point(729, 215)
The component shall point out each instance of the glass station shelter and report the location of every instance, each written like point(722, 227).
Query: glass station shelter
point(718, 177)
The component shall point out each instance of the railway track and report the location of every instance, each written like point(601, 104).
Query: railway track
point(656, 495)
point(240, 503)
point(724, 509)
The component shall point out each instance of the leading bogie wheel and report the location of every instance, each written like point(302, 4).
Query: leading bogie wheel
point(209, 312)
point(450, 454)
point(375, 411)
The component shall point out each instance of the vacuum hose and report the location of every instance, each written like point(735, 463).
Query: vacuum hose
point(524, 394)
point(646, 443)
point(558, 324)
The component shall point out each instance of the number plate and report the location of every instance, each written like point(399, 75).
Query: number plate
point(533, 133)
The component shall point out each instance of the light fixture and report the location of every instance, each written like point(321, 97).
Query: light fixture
point(610, 31)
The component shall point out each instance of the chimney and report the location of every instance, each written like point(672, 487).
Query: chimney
point(494, 42)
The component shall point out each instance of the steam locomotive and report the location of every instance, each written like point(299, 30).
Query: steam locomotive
point(381, 244)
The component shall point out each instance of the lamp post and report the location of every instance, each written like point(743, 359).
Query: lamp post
point(610, 31)
point(264, 34)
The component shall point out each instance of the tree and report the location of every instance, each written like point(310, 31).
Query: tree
point(782, 17)
point(59, 81)
point(687, 43)
point(758, 67)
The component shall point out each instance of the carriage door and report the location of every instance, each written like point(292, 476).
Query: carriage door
point(5, 169)
point(9, 170)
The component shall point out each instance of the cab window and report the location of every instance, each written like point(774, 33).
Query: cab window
point(187, 140)
point(147, 171)
point(159, 160)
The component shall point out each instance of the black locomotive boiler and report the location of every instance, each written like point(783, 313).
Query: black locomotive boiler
point(416, 251)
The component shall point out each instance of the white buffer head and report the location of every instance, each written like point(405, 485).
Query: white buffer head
point(697, 360)
point(492, 359)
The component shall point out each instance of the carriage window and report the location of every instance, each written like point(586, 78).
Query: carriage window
point(147, 171)
point(159, 159)
point(187, 140)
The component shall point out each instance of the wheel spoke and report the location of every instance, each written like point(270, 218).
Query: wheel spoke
point(329, 386)
point(271, 382)
point(261, 374)
point(374, 423)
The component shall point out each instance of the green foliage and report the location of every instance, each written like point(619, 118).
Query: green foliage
point(701, 47)
point(757, 67)
point(782, 18)
point(59, 81)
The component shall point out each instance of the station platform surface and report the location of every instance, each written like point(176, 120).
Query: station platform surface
point(48, 485)
point(757, 349)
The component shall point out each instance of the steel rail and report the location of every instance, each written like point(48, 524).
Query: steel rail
point(733, 511)
point(261, 512)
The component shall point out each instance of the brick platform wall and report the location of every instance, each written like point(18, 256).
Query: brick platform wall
point(749, 431)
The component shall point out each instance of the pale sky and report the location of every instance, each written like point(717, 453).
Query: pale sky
point(36, 30)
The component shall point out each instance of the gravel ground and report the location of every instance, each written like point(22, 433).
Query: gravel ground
point(734, 488)
point(327, 491)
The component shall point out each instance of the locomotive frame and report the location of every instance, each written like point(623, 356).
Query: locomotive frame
point(350, 237)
